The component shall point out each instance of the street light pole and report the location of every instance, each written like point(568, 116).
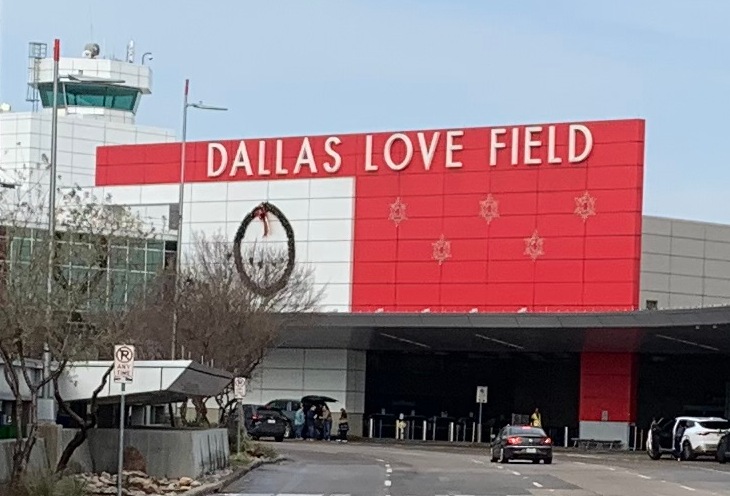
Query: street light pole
point(180, 203)
point(52, 208)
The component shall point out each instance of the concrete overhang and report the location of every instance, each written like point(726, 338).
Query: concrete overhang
point(692, 330)
point(155, 382)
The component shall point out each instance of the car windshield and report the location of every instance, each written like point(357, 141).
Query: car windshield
point(715, 424)
point(526, 431)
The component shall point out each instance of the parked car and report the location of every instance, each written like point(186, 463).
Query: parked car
point(522, 443)
point(261, 421)
point(289, 408)
point(722, 454)
point(700, 438)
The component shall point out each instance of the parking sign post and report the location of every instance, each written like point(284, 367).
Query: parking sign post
point(123, 374)
point(481, 399)
point(239, 392)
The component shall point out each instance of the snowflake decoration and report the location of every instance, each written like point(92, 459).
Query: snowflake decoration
point(397, 212)
point(441, 249)
point(585, 206)
point(534, 245)
point(489, 209)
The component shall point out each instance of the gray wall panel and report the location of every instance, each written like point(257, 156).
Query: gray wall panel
point(684, 263)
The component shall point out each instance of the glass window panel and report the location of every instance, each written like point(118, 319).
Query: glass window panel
point(136, 259)
point(154, 260)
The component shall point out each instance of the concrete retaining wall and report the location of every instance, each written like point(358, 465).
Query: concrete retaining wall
point(168, 453)
point(38, 459)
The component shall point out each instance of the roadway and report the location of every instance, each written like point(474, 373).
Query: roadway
point(328, 469)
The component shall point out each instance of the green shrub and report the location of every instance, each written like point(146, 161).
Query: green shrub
point(49, 484)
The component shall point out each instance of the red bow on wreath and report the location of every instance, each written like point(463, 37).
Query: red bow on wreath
point(262, 214)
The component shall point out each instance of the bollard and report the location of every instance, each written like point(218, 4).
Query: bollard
point(451, 432)
point(641, 440)
point(636, 434)
point(371, 426)
point(425, 428)
point(380, 429)
point(565, 440)
point(433, 435)
point(473, 431)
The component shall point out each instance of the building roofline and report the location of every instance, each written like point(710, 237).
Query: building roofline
point(681, 317)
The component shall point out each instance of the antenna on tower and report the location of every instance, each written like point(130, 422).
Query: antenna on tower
point(36, 52)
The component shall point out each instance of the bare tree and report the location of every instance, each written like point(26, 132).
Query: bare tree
point(47, 289)
point(223, 321)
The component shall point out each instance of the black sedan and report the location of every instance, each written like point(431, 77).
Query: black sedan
point(261, 421)
point(522, 443)
point(722, 454)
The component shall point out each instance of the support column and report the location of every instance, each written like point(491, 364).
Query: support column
point(608, 395)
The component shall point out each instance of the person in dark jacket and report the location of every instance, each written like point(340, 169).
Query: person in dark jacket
point(678, 435)
point(310, 424)
point(343, 426)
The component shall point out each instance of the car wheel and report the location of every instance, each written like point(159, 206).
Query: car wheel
point(721, 451)
point(687, 453)
point(279, 439)
point(536, 461)
point(548, 461)
point(654, 454)
point(503, 456)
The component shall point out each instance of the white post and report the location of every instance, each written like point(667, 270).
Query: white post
point(565, 440)
point(425, 427)
point(371, 427)
point(239, 420)
point(473, 431)
point(451, 432)
point(120, 460)
point(479, 434)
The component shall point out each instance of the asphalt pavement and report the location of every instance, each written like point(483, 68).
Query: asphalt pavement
point(332, 469)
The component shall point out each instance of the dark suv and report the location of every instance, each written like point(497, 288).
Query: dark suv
point(261, 421)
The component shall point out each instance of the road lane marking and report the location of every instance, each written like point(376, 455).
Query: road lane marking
point(687, 488)
point(388, 483)
point(477, 461)
point(537, 484)
point(379, 460)
point(516, 473)
point(388, 470)
point(643, 476)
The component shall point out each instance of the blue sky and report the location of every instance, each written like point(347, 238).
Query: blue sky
point(295, 67)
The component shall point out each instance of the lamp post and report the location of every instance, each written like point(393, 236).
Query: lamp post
point(180, 202)
point(53, 168)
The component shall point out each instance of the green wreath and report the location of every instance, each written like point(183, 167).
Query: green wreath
point(261, 212)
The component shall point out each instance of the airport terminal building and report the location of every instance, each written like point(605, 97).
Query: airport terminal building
point(515, 257)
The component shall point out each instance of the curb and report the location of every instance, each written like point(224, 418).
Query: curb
point(215, 487)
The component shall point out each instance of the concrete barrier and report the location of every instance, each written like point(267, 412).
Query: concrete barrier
point(38, 460)
point(169, 453)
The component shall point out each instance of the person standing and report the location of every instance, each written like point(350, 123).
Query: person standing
point(327, 423)
point(310, 423)
point(536, 419)
point(299, 422)
point(343, 426)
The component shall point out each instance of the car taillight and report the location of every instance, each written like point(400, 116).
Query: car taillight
point(255, 417)
point(547, 440)
point(514, 440)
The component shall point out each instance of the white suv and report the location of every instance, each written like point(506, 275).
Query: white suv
point(701, 436)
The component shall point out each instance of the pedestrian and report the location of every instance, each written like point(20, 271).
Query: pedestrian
point(299, 422)
point(536, 419)
point(343, 426)
point(310, 423)
point(678, 435)
point(327, 423)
